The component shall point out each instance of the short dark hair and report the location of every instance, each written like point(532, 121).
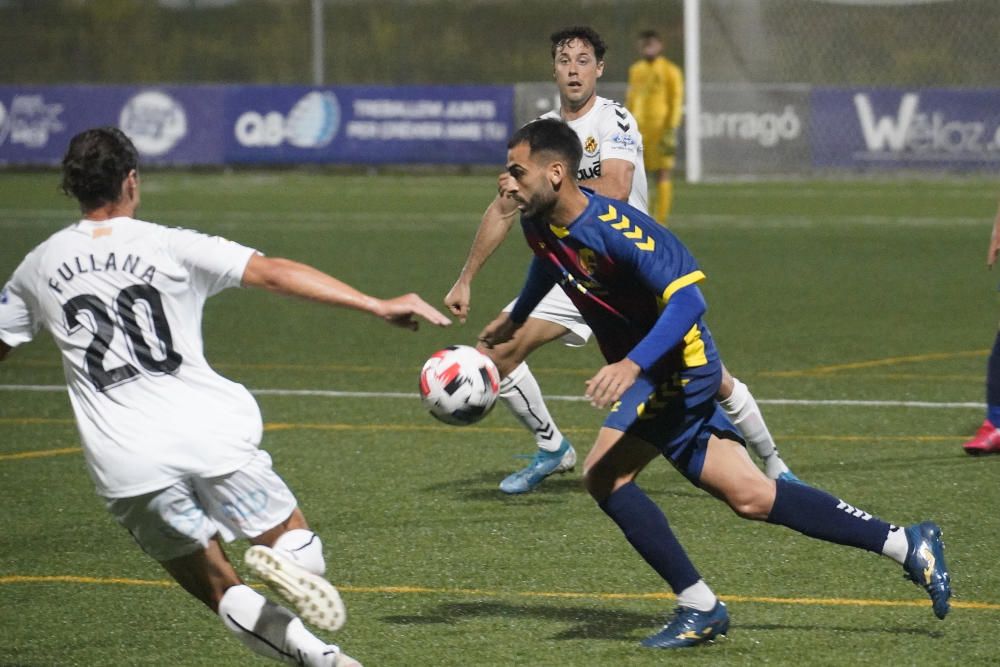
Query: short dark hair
point(649, 34)
point(96, 164)
point(549, 135)
point(583, 33)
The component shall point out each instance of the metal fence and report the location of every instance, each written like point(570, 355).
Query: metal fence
point(788, 86)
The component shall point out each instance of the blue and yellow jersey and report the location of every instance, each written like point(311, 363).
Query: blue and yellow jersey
point(620, 269)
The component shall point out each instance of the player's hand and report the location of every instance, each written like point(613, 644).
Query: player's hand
point(400, 312)
point(457, 299)
point(611, 382)
point(994, 251)
point(668, 143)
point(505, 182)
point(499, 331)
point(505, 185)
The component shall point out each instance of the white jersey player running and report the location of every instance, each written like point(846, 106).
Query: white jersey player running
point(171, 445)
point(612, 165)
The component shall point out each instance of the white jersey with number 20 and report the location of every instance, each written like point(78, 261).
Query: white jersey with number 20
point(123, 300)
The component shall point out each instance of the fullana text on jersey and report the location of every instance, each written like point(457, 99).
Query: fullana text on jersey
point(96, 264)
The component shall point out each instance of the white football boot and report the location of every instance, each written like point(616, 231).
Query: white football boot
point(316, 599)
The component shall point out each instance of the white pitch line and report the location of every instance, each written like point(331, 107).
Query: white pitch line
point(330, 393)
point(873, 404)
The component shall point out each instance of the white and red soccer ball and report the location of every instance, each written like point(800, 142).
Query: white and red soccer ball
point(459, 385)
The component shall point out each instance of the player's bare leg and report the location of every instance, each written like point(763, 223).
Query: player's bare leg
point(289, 559)
point(738, 403)
point(730, 475)
point(265, 628)
point(521, 394)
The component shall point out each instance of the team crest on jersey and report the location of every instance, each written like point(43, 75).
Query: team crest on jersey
point(588, 260)
point(590, 146)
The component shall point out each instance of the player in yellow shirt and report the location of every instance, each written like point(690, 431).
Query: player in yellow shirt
point(656, 99)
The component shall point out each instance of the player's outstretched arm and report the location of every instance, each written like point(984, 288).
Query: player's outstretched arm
point(493, 229)
point(291, 278)
point(991, 257)
point(615, 180)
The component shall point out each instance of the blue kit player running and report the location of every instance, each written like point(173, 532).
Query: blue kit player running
point(636, 285)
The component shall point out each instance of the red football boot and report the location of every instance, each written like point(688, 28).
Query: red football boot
point(986, 440)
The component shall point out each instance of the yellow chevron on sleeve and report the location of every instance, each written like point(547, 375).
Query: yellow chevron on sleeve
point(624, 224)
point(683, 281)
point(636, 233)
point(646, 245)
point(560, 232)
point(610, 215)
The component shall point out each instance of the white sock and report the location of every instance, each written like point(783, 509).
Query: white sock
point(271, 630)
point(697, 596)
point(742, 409)
point(305, 548)
point(521, 394)
point(896, 545)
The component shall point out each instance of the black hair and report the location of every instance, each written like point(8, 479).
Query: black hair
point(96, 164)
point(583, 33)
point(549, 135)
point(649, 34)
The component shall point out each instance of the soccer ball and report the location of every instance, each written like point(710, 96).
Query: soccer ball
point(459, 385)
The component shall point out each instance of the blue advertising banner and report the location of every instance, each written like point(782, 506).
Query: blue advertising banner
point(369, 124)
point(216, 125)
point(925, 128)
point(169, 124)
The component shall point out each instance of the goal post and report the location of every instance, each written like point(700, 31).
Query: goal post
point(692, 93)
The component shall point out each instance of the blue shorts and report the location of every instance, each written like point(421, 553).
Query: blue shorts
point(676, 424)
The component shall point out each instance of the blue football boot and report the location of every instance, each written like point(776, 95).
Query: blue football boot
point(690, 627)
point(789, 476)
point(542, 465)
point(924, 564)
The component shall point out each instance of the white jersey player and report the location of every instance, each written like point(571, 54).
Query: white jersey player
point(171, 445)
point(122, 299)
point(612, 165)
point(608, 131)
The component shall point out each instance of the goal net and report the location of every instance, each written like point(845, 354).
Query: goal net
point(809, 86)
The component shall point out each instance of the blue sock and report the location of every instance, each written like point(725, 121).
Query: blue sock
point(818, 514)
point(647, 530)
point(993, 383)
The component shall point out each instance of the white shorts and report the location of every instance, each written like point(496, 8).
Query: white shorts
point(556, 307)
point(183, 518)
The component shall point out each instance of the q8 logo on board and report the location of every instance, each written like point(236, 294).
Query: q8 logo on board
point(312, 123)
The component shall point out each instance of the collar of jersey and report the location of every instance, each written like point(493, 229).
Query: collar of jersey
point(97, 223)
point(563, 232)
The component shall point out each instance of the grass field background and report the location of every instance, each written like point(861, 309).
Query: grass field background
point(822, 293)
